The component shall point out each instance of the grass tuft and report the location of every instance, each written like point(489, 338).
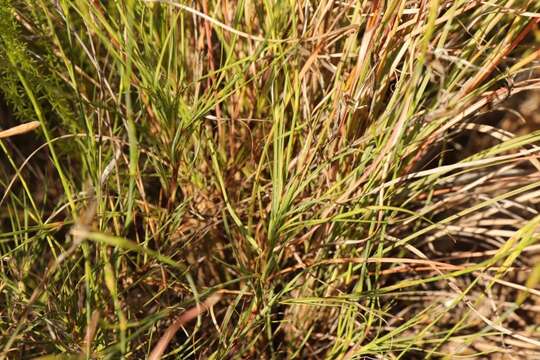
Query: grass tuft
point(269, 179)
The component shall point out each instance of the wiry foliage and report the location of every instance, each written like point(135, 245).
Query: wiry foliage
point(296, 174)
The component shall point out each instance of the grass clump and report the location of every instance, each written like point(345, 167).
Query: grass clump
point(272, 179)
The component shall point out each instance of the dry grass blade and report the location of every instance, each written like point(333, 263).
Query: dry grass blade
point(90, 333)
point(182, 320)
point(19, 129)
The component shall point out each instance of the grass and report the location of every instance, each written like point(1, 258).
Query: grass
point(268, 179)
